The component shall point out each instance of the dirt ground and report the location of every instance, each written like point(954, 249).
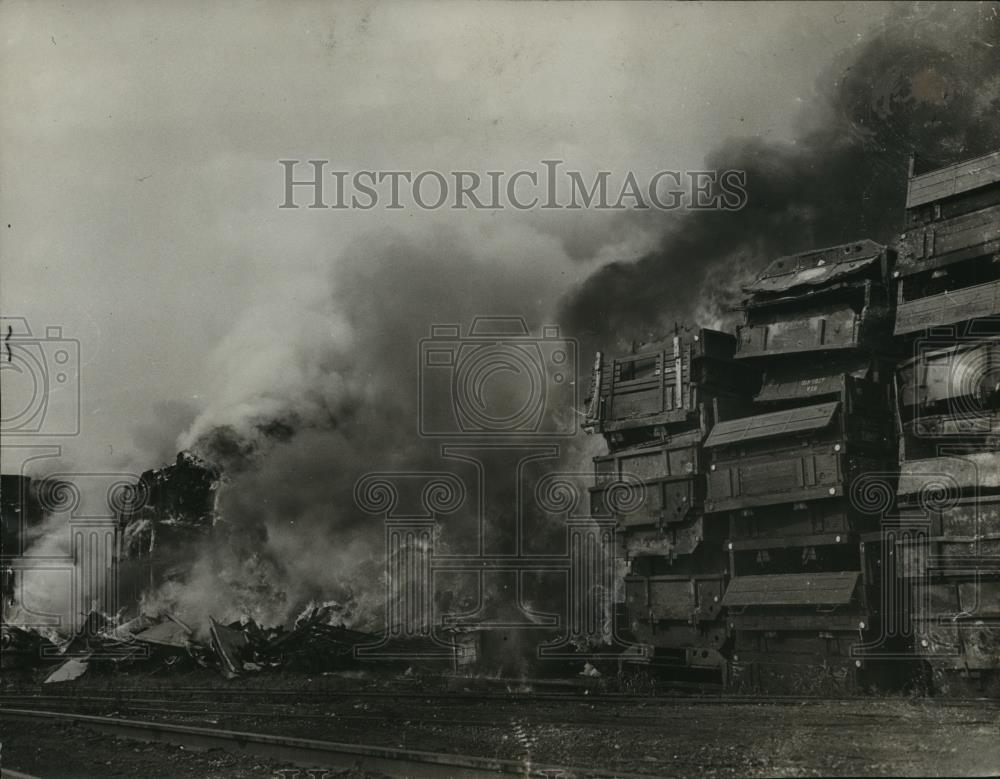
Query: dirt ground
point(53, 751)
point(662, 738)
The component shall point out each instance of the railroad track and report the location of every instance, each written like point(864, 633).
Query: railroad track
point(312, 753)
point(328, 693)
point(420, 716)
point(377, 736)
point(244, 695)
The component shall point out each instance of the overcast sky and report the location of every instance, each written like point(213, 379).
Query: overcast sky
point(139, 142)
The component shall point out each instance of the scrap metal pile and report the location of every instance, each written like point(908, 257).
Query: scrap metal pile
point(809, 519)
point(166, 643)
point(170, 511)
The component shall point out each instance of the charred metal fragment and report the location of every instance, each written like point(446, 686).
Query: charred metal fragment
point(176, 512)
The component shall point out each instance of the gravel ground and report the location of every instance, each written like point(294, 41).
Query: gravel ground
point(54, 751)
point(658, 737)
point(860, 738)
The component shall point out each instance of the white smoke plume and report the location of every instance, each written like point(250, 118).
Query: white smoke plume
point(317, 386)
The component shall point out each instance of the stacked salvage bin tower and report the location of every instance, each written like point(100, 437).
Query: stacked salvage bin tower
point(948, 331)
point(654, 406)
point(804, 553)
point(749, 554)
point(835, 474)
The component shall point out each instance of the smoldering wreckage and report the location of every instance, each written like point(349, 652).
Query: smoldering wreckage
point(861, 389)
point(153, 542)
point(161, 521)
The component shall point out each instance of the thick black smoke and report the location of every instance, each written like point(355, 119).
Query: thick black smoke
point(928, 84)
point(319, 387)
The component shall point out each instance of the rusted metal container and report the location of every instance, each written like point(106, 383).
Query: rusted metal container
point(679, 382)
point(806, 632)
point(679, 615)
point(959, 635)
point(668, 478)
point(949, 396)
point(793, 455)
point(947, 267)
point(824, 301)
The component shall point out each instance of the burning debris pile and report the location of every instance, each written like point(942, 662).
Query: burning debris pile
point(20, 647)
point(171, 510)
point(168, 516)
point(164, 642)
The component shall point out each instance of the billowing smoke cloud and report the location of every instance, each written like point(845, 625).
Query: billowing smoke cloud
point(318, 386)
point(929, 83)
point(155, 438)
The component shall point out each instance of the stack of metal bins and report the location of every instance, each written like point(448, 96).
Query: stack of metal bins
point(19, 513)
point(948, 326)
point(654, 406)
point(803, 542)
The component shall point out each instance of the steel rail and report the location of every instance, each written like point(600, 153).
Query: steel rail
point(605, 723)
point(323, 694)
point(308, 697)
